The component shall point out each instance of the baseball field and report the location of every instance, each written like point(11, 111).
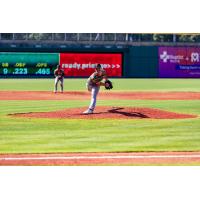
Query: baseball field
point(139, 122)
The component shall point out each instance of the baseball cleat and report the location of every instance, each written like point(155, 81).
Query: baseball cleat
point(89, 111)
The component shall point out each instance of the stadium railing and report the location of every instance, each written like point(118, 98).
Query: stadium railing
point(101, 38)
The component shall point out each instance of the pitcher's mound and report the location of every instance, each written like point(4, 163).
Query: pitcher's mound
point(102, 112)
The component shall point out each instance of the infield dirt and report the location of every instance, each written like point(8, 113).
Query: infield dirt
point(103, 95)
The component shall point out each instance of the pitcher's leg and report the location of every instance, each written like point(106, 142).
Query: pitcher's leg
point(89, 87)
point(61, 84)
point(94, 93)
point(56, 84)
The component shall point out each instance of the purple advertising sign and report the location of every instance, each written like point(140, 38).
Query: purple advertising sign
point(179, 62)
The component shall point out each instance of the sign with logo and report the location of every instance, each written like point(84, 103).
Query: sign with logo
point(83, 64)
point(179, 62)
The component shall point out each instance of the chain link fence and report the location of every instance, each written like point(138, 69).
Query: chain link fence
point(98, 37)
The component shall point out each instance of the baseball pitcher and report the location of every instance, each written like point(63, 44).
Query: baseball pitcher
point(93, 85)
point(59, 77)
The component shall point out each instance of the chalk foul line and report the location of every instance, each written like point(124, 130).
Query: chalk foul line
point(99, 157)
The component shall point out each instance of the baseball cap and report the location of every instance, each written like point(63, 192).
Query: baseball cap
point(98, 66)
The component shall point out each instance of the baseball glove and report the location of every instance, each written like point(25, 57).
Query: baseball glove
point(108, 85)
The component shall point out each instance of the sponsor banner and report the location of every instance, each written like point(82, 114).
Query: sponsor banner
point(83, 64)
point(179, 62)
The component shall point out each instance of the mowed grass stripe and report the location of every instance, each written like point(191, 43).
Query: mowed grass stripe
point(71, 84)
point(181, 106)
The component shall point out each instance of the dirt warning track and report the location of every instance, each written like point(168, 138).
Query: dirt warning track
point(151, 158)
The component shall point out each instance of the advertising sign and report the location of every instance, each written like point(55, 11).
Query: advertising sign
point(179, 62)
point(83, 64)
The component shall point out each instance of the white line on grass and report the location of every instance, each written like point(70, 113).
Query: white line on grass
point(99, 157)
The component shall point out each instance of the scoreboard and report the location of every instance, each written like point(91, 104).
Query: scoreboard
point(38, 64)
point(28, 64)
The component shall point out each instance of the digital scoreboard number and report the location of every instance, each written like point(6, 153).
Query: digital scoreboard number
point(24, 71)
point(28, 64)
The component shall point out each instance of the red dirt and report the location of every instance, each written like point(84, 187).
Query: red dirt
point(151, 158)
point(103, 112)
point(103, 95)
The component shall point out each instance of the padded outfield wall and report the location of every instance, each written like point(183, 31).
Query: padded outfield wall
point(119, 61)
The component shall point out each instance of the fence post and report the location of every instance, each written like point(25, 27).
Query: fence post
point(115, 37)
point(126, 36)
point(90, 37)
point(174, 38)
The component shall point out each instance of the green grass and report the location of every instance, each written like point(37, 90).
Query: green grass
point(56, 135)
point(119, 84)
point(25, 135)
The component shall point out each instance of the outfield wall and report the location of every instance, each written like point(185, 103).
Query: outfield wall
point(141, 62)
point(119, 61)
